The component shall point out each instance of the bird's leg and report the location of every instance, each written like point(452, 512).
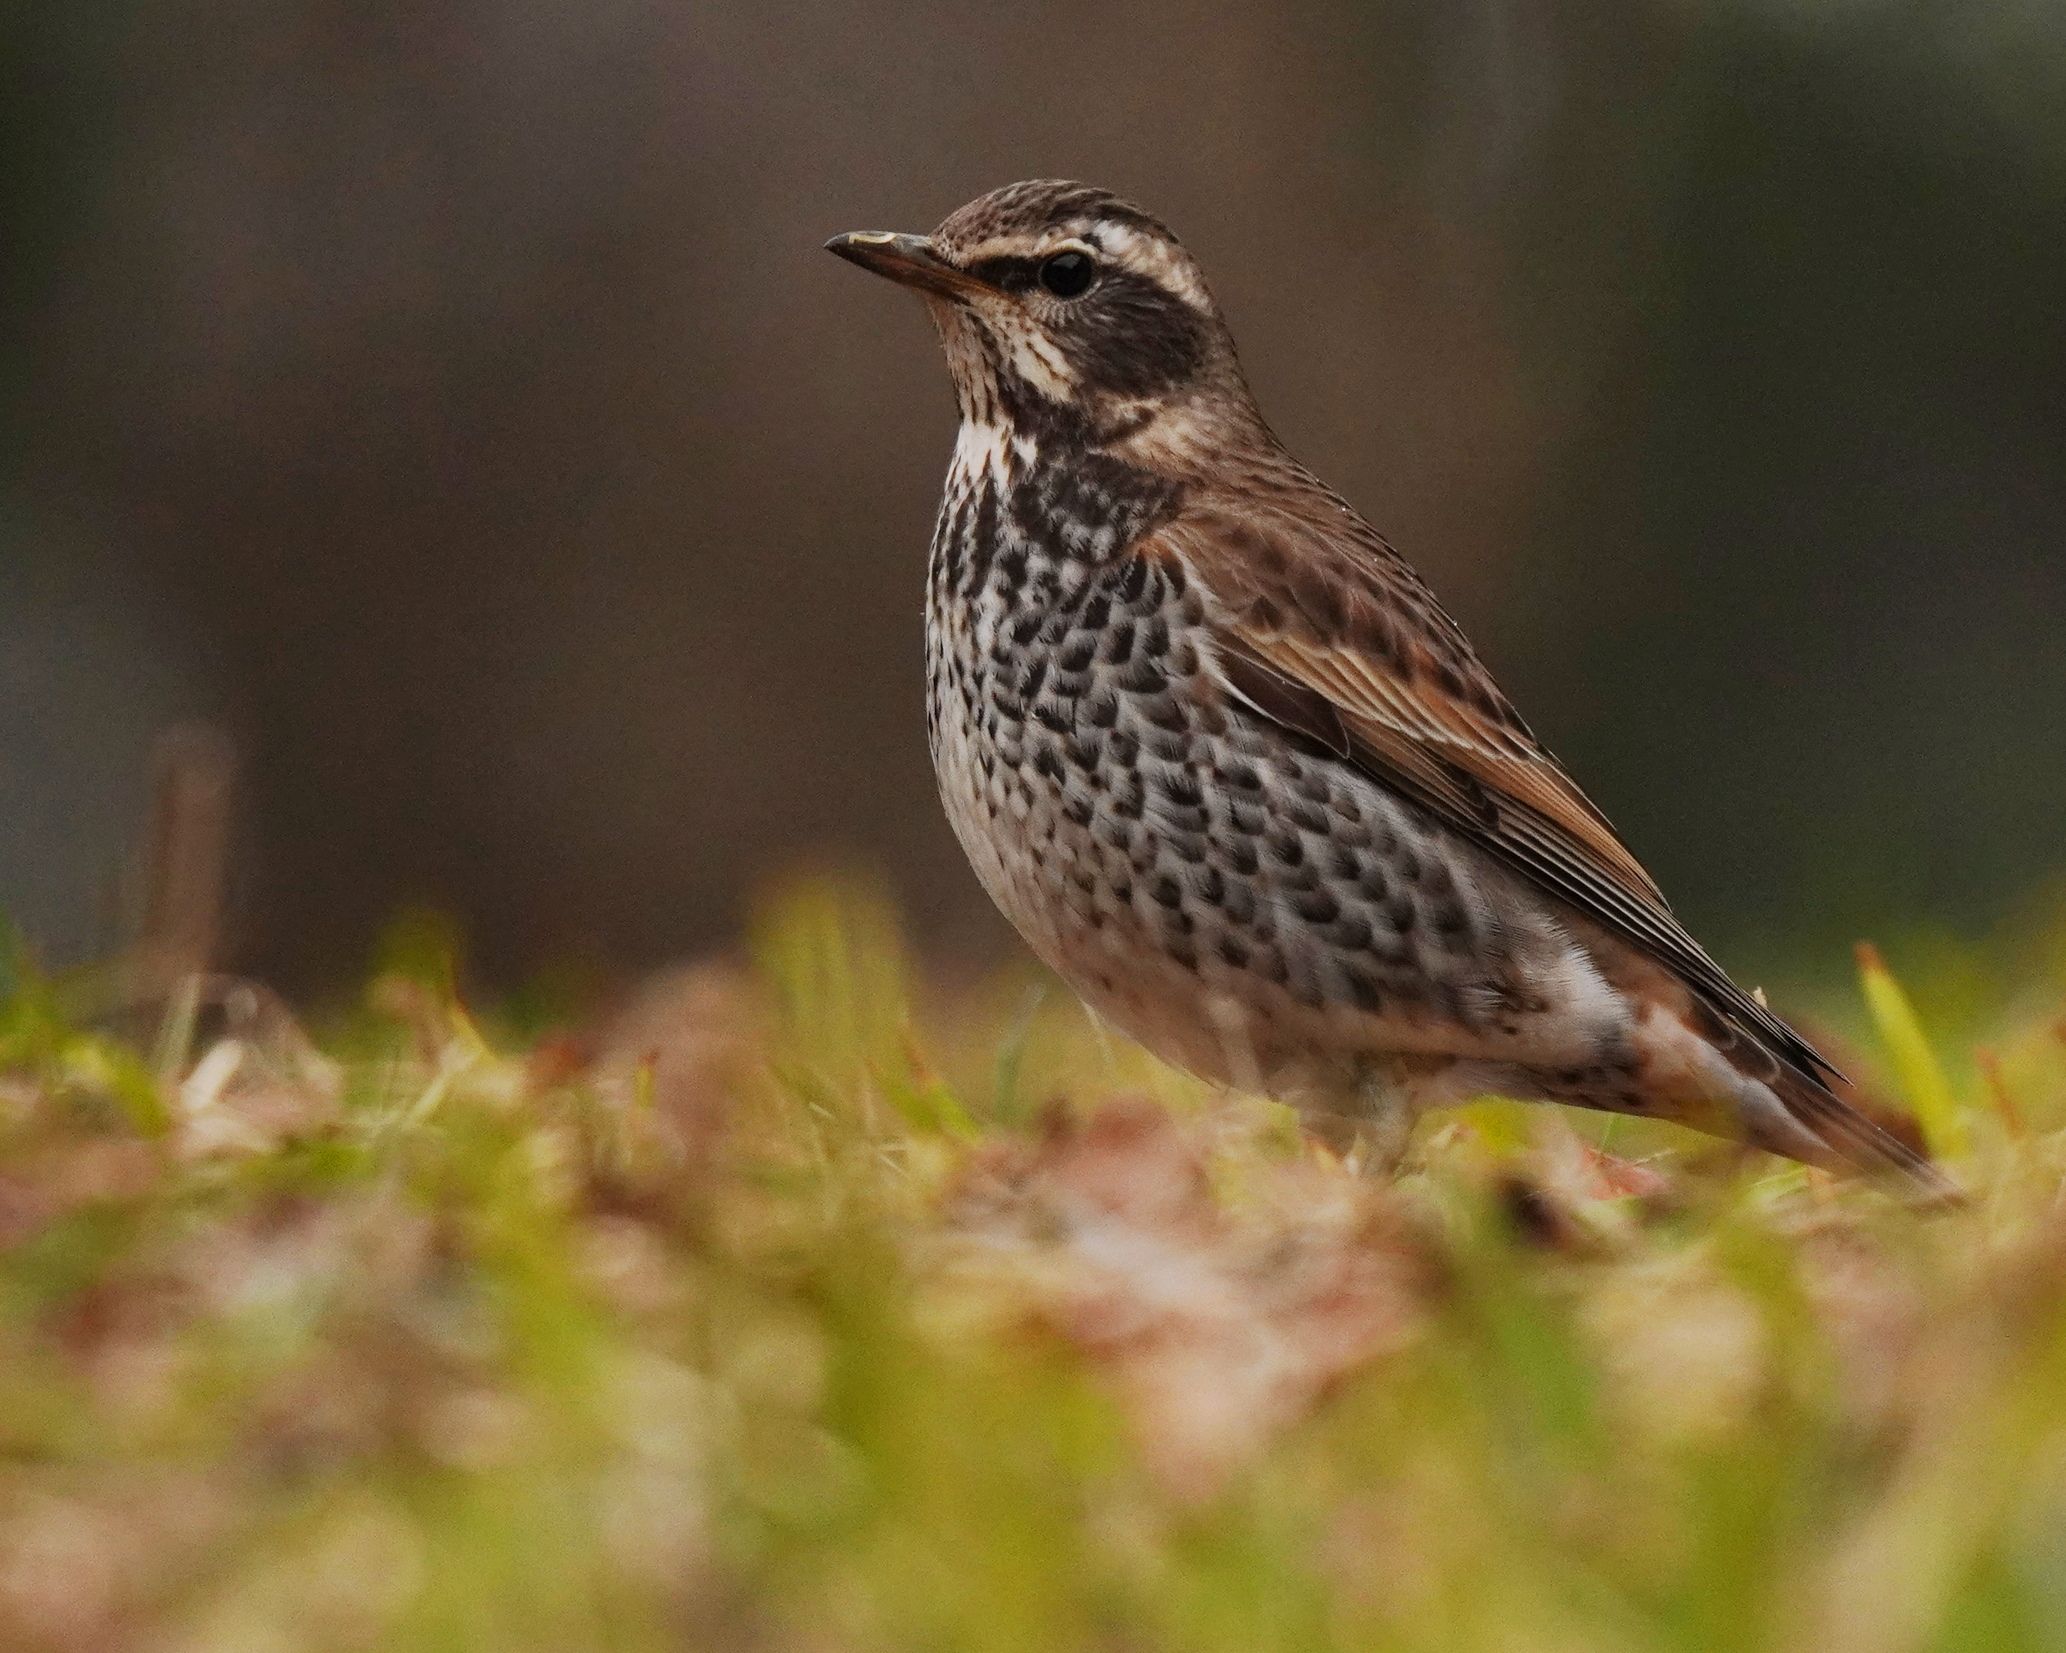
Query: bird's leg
point(1371, 1125)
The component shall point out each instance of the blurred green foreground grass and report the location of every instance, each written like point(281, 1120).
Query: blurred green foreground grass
point(791, 1308)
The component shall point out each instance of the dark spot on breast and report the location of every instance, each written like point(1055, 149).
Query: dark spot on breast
point(1237, 901)
point(1352, 934)
point(1142, 676)
point(1317, 907)
point(1362, 990)
point(1166, 712)
point(1309, 817)
point(1180, 786)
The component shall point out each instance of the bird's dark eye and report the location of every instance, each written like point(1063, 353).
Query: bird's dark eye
point(1068, 274)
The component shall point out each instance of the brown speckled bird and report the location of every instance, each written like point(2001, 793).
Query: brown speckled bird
point(1217, 752)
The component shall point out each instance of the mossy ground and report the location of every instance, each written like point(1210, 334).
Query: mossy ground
point(801, 1308)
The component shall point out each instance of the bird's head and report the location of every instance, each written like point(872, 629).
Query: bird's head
point(1068, 316)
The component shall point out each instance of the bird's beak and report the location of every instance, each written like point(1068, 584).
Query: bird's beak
point(907, 259)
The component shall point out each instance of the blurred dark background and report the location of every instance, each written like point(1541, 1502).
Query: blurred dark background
point(450, 401)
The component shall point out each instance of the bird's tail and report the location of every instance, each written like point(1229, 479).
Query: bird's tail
point(1822, 1128)
point(1708, 1071)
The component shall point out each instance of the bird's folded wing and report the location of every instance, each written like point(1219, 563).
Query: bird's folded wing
point(1326, 631)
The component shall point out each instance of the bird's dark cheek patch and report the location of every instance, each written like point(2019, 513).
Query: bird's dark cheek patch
point(1131, 337)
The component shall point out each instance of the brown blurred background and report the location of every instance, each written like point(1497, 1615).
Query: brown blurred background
point(450, 400)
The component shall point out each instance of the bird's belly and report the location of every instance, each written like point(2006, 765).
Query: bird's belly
point(1255, 914)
